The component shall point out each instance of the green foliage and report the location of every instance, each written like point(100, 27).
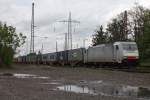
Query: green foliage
point(6, 55)
point(9, 42)
point(118, 28)
point(99, 37)
point(144, 40)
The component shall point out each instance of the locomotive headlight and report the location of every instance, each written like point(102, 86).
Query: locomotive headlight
point(125, 57)
point(137, 57)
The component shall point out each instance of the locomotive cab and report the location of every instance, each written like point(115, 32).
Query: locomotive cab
point(125, 52)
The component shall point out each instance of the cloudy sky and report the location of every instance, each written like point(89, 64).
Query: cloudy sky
point(90, 13)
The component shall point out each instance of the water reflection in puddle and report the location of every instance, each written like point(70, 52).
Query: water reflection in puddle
point(29, 76)
point(76, 89)
point(108, 90)
point(17, 75)
point(51, 83)
point(96, 82)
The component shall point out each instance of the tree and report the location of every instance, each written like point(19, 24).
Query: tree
point(118, 28)
point(137, 21)
point(144, 40)
point(99, 37)
point(112, 29)
point(140, 19)
point(9, 42)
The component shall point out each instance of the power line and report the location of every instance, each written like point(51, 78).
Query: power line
point(68, 43)
point(42, 36)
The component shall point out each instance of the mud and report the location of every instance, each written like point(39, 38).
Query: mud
point(31, 82)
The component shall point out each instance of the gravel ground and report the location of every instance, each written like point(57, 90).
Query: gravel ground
point(45, 85)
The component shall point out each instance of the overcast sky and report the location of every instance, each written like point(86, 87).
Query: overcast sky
point(90, 13)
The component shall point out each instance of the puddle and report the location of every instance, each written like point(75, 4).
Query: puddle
point(76, 89)
point(29, 76)
point(122, 91)
point(52, 83)
point(23, 75)
point(16, 75)
point(108, 90)
point(96, 82)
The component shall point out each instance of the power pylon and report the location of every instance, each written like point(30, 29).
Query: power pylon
point(68, 42)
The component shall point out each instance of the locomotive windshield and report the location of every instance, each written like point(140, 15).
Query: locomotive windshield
point(130, 47)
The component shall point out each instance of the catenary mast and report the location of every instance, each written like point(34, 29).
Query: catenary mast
point(32, 30)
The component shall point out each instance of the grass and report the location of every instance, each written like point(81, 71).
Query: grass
point(144, 66)
point(145, 63)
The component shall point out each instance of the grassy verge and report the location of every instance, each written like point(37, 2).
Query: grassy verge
point(144, 66)
point(145, 63)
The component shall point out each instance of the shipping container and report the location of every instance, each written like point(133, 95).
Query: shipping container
point(76, 55)
point(62, 57)
point(51, 58)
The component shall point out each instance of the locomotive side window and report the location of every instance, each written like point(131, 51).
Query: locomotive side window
point(117, 47)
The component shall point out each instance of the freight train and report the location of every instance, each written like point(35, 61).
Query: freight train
point(114, 53)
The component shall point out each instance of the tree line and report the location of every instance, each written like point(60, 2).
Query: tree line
point(130, 25)
point(10, 40)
